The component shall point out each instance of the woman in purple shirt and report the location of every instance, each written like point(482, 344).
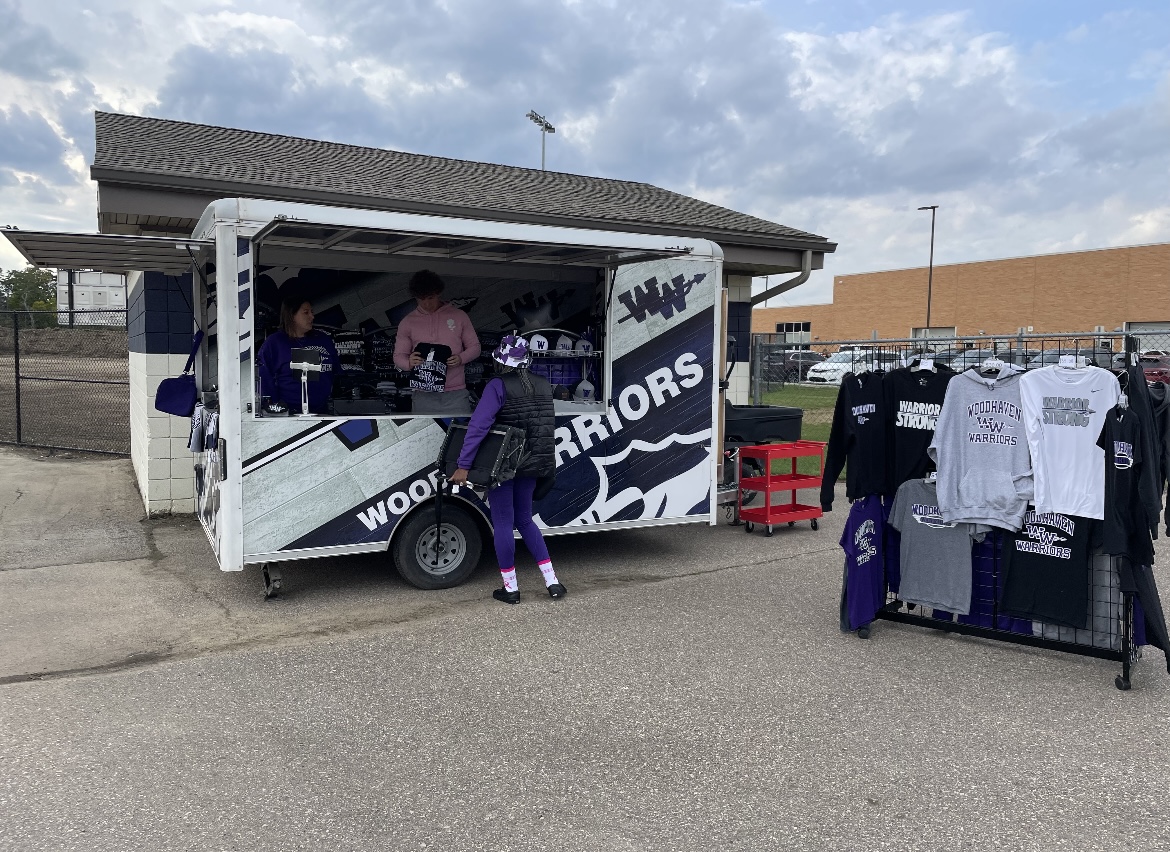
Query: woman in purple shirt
point(296, 331)
point(519, 399)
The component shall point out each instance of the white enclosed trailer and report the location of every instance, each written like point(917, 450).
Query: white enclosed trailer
point(271, 489)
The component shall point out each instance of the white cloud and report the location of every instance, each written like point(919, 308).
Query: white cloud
point(843, 133)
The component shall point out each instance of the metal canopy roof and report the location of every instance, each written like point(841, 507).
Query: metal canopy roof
point(106, 252)
point(287, 234)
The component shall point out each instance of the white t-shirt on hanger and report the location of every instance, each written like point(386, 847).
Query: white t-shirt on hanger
point(1064, 411)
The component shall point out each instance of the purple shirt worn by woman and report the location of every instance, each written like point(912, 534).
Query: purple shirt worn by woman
point(482, 420)
point(282, 385)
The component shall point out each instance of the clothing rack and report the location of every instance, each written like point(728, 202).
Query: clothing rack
point(1117, 624)
point(1098, 641)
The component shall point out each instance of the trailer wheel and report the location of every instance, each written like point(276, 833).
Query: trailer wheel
point(458, 552)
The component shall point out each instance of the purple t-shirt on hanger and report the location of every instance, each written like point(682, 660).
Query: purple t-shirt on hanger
point(865, 582)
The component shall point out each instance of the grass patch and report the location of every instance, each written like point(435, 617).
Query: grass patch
point(818, 403)
point(815, 432)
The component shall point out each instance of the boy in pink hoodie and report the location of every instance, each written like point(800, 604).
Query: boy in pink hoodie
point(434, 323)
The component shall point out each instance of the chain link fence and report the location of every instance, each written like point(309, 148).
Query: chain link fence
point(64, 380)
point(808, 375)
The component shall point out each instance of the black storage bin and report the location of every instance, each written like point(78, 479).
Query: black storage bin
point(761, 424)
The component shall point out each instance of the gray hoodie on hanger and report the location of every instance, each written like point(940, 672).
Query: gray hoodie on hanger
point(979, 446)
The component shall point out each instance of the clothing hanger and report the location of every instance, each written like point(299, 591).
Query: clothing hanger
point(995, 366)
point(1123, 397)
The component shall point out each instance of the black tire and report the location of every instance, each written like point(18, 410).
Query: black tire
point(792, 376)
point(460, 531)
point(753, 466)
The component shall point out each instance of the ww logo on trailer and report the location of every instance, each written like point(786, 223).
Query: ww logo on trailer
point(656, 299)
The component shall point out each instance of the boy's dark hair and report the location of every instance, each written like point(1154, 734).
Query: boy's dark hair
point(425, 283)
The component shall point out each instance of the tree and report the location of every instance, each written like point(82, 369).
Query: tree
point(30, 289)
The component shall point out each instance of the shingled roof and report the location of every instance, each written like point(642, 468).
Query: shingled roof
point(203, 158)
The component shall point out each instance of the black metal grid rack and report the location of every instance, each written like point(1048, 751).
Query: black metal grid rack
point(1109, 636)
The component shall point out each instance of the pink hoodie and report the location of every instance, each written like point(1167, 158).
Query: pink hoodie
point(448, 326)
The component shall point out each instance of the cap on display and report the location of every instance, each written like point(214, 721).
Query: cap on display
point(564, 343)
point(538, 343)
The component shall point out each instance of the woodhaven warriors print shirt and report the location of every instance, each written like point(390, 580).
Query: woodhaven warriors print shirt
point(1064, 411)
point(936, 556)
point(913, 401)
point(1047, 571)
point(984, 468)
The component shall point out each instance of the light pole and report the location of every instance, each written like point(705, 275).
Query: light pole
point(930, 269)
point(541, 122)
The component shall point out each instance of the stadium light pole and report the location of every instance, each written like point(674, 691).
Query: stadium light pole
point(545, 128)
point(930, 269)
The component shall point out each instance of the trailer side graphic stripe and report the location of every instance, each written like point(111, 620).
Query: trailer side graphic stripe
point(288, 445)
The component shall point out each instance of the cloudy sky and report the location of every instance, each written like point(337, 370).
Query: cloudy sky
point(1035, 125)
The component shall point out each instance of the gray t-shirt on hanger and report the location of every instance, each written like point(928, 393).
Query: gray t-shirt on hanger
point(935, 555)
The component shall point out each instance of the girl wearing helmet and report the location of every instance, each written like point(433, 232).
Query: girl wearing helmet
point(516, 398)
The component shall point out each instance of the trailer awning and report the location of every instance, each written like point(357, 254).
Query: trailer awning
point(106, 252)
point(306, 236)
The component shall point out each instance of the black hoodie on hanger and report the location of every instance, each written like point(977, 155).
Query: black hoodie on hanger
point(858, 437)
point(913, 401)
point(1160, 399)
point(1150, 494)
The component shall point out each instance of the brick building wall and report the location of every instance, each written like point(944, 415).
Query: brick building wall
point(1075, 291)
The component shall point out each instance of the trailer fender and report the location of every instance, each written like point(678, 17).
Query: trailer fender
point(475, 508)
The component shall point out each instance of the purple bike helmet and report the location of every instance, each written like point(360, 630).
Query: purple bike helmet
point(512, 351)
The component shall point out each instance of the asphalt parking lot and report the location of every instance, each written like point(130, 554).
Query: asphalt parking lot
point(692, 692)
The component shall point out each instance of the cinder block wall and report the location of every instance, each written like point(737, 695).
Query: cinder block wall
point(160, 328)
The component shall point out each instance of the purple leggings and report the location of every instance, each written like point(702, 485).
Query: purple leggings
point(511, 505)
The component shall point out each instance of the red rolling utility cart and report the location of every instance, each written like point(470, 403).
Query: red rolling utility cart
point(769, 483)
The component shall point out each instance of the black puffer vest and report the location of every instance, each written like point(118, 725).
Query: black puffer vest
point(528, 405)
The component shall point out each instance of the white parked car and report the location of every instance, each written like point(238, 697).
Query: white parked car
point(833, 369)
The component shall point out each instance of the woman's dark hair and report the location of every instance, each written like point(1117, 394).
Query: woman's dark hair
point(289, 306)
point(425, 283)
